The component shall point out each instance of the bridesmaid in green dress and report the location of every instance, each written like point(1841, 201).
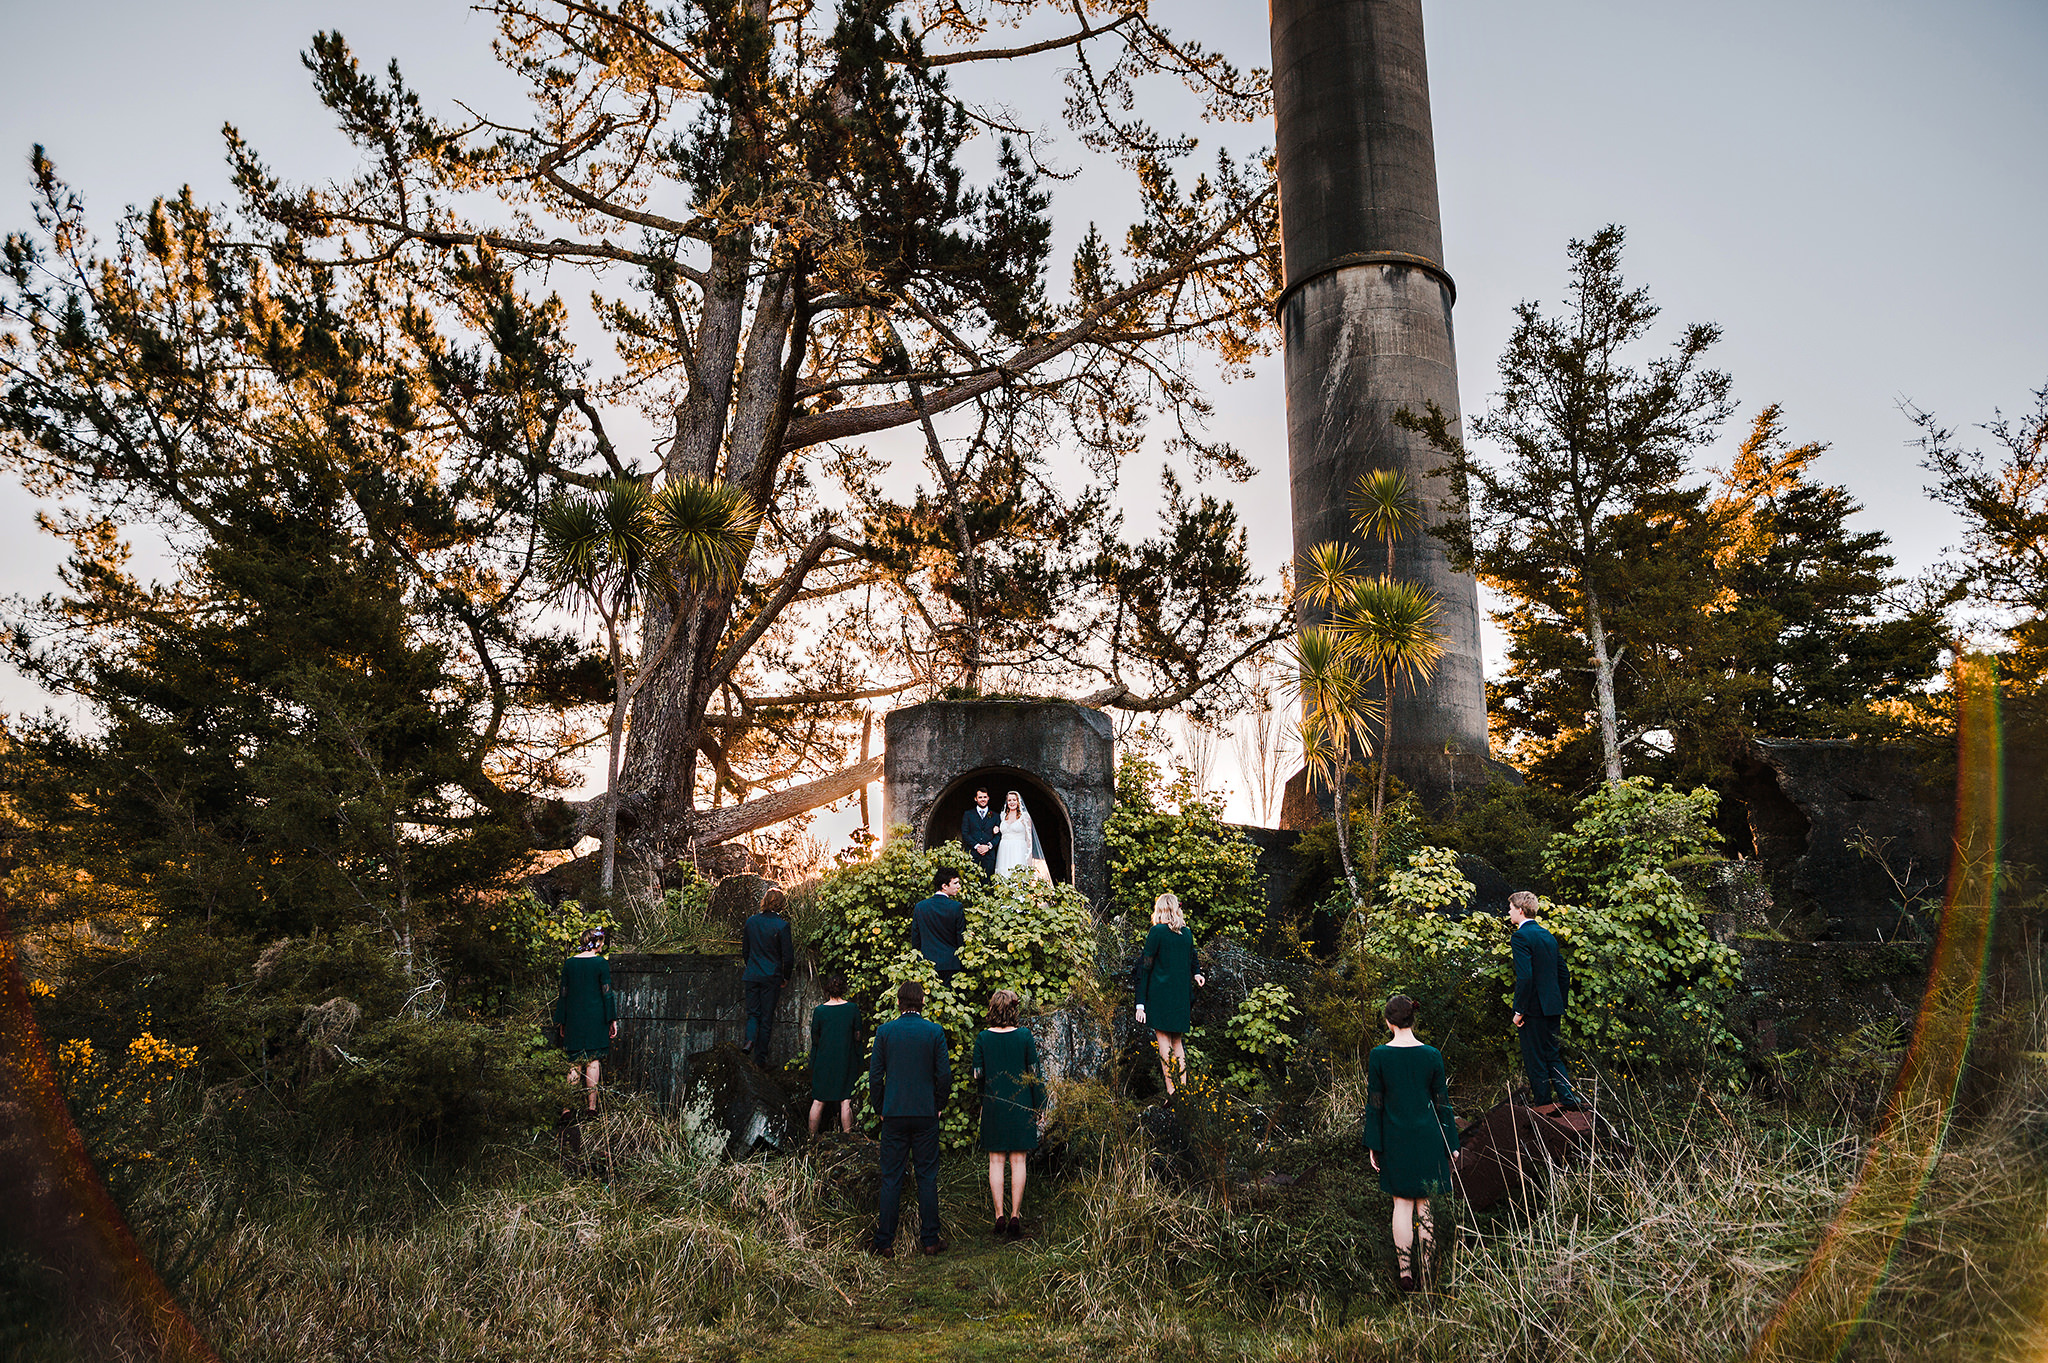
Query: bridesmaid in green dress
point(1409, 1130)
point(833, 1024)
point(587, 1014)
point(1006, 1065)
point(1166, 986)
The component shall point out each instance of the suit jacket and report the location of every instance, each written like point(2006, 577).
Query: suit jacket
point(937, 926)
point(909, 1068)
point(1542, 984)
point(771, 952)
point(979, 826)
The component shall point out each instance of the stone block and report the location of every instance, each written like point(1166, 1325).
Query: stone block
point(1058, 756)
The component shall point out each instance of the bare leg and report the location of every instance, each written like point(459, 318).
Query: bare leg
point(590, 1078)
point(1404, 1235)
point(846, 1115)
point(817, 1111)
point(1016, 1184)
point(1424, 1237)
point(1167, 1044)
point(995, 1180)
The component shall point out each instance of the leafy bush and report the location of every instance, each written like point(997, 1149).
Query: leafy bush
point(1458, 969)
point(1430, 882)
point(1624, 827)
point(1259, 1032)
point(1651, 989)
point(1022, 935)
point(1166, 837)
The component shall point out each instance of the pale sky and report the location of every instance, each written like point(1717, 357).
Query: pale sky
point(1852, 189)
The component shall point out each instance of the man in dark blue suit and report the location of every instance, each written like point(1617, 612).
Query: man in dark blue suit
point(1542, 989)
point(909, 1077)
point(981, 831)
point(771, 958)
point(939, 924)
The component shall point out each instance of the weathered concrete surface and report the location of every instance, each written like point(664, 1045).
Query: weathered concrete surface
point(1806, 994)
point(1854, 837)
point(674, 1007)
point(1366, 317)
point(744, 1104)
point(1060, 757)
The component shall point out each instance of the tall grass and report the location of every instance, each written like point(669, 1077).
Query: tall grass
point(1683, 1252)
point(675, 1246)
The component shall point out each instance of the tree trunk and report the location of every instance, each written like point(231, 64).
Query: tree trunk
point(1603, 690)
point(1344, 834)
point(1379, 795)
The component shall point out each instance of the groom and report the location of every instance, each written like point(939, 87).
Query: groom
point(980, 831)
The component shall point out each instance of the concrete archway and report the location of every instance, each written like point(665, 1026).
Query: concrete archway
point(1048, 812)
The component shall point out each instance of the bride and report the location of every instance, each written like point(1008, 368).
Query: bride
point(1019, 845)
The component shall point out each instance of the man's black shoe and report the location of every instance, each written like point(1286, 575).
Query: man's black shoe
point(938, 1246)
point(881, 1251)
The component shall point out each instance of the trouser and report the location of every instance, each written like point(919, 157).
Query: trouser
point(902, 1138)
point(761, 998)
point(1544, 1060)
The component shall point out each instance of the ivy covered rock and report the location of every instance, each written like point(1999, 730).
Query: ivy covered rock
point(1023, 934)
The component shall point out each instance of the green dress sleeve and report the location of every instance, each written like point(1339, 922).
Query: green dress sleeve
point(1440, 1094)
point(1375, 1137)
point(604, 983)
point(1037, 1095)
point(980, 1062)
point(1147, 961)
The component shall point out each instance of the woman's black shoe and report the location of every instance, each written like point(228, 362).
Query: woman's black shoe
point(1002, 1227)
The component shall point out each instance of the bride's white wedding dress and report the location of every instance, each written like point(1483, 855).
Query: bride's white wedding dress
point(1015, 848)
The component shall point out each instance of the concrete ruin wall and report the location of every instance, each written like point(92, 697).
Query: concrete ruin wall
point(1060, 757)
point(674, 1006)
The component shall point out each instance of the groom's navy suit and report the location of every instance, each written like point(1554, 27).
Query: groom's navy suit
point(1543, 986)
point(979, 826)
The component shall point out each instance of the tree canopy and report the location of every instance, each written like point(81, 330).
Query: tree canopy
point(798, 237)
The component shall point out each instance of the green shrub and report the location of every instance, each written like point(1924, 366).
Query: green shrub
point(1651, 989)
point(1509, 826)
point(1259, 1033)
point(1625, 827)
point(1430, 882)
point(1165, 837)
point(1022, 935)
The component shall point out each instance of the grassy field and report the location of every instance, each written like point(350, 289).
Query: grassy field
point(656, 1249)
point(650, 1246)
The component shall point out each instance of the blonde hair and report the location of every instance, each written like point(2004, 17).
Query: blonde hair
point(1166, 909)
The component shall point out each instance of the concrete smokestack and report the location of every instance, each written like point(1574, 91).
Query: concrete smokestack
point(1366, 315)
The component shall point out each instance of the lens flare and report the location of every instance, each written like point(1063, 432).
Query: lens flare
point(1820, 1316)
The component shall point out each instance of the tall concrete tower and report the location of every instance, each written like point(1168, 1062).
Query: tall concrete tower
point(1366, 315)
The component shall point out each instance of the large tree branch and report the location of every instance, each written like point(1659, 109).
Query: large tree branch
point(1122, 697)
point(997, 54)
point(712, 826)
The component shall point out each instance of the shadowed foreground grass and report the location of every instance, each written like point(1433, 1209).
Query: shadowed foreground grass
point(1679, 1254)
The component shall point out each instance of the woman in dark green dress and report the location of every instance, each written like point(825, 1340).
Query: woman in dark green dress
point(1006, 1066)
point(587, 1014)
point(1409, 1130)
point(1166, 986)
point(833, 1024)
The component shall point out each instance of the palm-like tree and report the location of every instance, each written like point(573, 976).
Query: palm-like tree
point(1379, 628)
point(1383, 507)
point(1392, 626)
point(1337, 714)
point(609, 547)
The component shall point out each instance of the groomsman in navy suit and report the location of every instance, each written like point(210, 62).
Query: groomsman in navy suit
point(1542, 988)
point(938, 925)
point(909, 1079)
point(980, 831)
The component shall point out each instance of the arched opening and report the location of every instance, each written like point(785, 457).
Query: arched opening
point(1048, 812)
